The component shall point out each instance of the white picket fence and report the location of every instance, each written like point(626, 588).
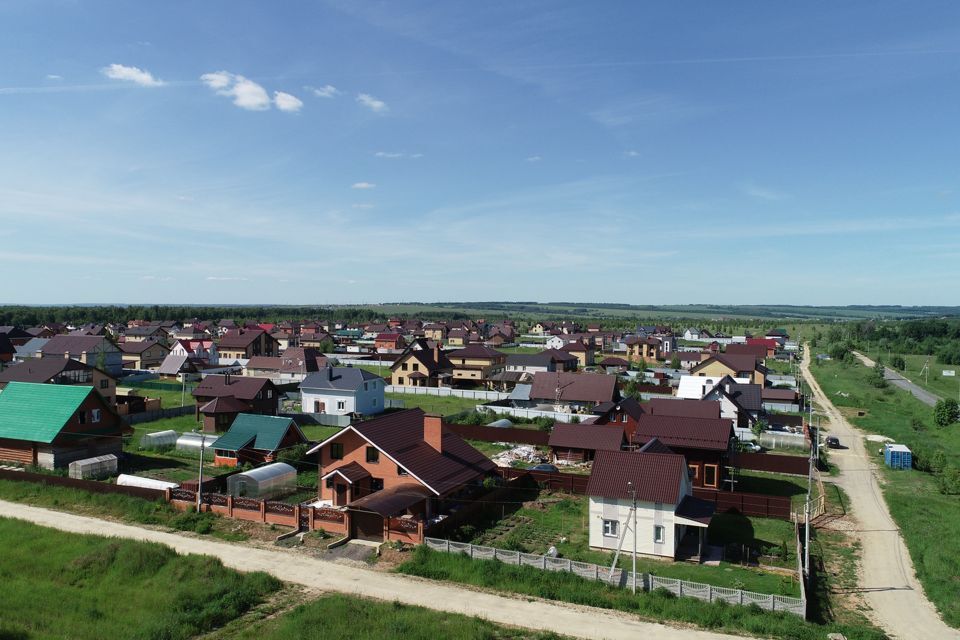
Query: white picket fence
point(620, 578)
point(447, 392)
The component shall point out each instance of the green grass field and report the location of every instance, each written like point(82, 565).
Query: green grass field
point(340, 616)
point(923, 514)
point(168, 397)
point(933, 381)
point(71, 586)
point(446, 405)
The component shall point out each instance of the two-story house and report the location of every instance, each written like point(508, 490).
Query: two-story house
point(246, 343)
point(239, 393)
point(143, 354)
point(476, 364)
point(421, 365)
point(342, 391)
point(96, 351)
point(61, 371)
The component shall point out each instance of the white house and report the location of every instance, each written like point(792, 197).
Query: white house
point(205, 350)
point(342, 391)
point(696, 387)
point(666, 511)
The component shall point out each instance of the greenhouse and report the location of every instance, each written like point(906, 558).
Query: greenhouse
point(96, 467)
point(125, 480)
point(190, 443)
point(270, 481)
point(159, 440)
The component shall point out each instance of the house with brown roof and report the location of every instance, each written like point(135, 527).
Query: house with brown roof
point(143, 354)
point(400, 467)
point(576, 392)
point(584, 353)
point(683, 408)
point(61, 371)
point(758, 351)
point(476, 364)
point(243, 344)
point(651, 490)
point(624, 413)
point(294, 365)
point(576, 443)
point(95, 351)
point(613, 364)
point(735, 366)
point(705, 442)
point(255, 395)
point(643, 348)
point(457, 337)
point(422, 365)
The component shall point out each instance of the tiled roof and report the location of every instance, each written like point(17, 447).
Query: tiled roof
point(690, 433)
point(573, 387)
point(656, 477)
point(39, 370)
point(586, 436)
point(476, 351)
point(684, 408)
point(138, 347)
point(242, 387)
point(240, 339)
point(224, 404)
point(75, 345)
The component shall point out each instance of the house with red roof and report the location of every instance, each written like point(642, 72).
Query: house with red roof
point(389, 343)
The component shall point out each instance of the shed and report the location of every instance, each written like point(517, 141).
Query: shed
point(159, 440)
point(96, 467)
point(269, 481)
point(897, 456)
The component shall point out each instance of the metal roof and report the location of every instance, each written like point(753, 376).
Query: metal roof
point(656, 477)
point(258, 432)
point(37, 412)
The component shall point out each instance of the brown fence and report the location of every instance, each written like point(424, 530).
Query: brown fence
point(795, 465)
point(495, 434)
point(572, 482)
point(92, 486)
point(749, 504)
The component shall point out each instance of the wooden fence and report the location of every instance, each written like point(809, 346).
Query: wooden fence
point(93, 486)
point(792, 465)
point(572, 482)
point(496, 434)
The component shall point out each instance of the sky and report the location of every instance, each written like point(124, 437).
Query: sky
point(361, 152)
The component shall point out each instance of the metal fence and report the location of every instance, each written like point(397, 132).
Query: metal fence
point(532, 413)
point(620, 578)
point(447, 391)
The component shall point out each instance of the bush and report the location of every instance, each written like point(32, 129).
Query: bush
point(948, 481)
point(897, 362)
point(946, 412)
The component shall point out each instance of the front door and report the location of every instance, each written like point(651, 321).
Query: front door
point(341, 497)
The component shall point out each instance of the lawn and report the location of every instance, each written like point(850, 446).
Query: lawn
point(489, 449)
point(778, 366)
point(381, 370)
point(318, 432)
point(774, 484)
point(921, 512)
point(525, 350)
point(67, 585)
point(341, 616)
point(444, 405)
point(168, 397)
point(542, 521)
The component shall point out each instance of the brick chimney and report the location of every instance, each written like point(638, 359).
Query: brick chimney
point(433, 431)
point(436, 352)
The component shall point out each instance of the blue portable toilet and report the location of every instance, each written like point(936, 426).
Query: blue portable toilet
point(897, 456)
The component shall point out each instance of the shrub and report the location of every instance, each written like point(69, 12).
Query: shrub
point(946, 412)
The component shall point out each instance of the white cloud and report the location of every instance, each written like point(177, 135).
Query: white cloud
point(362, 205)
point(388, 154)
point(287, 102)
point(227, 279)
point(762, 193)
point(534, 159)
point(363, 185)
point(131, 74)
point(371, 103)
point(246, 93)
point(631, 153)
point(326, 91)
point(53, 76)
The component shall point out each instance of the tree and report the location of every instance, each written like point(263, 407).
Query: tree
point(898, 363)
point(675, 361)
point(877, 377)
point(946, 412)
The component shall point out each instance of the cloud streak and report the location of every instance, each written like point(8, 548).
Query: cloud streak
point(135, 75)
point(287, 102)
point(326, 91)
point(368, 101)
point(363, 185)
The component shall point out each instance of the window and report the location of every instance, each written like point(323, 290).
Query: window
point(401, 471)
point(693, 471)
point(269, 393)
point(330, 482)
point(104, 384)
point(365, 387)
point(416, 366)
point(376, 484)
point(82, 416)
point(374, 402)
point(611, 528)
point(658, 533)
point(336, 451)
point(373, 455)
point(341, 405)
point(400, 381)
point(222, 453)
point(710, 475)
point(95, 415)
point(403, 367)
point(623, 418)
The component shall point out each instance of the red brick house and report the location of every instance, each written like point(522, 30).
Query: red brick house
point(389, 342)
point(401, 466)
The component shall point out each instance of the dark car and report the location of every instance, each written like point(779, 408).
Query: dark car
point(833, 442)
point(549, 468)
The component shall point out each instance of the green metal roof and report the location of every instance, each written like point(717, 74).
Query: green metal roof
point(37, 412)
point(258, 432)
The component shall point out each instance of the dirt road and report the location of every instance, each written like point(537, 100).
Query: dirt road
point(567, 619)
point(887, 577)
point(898, 380)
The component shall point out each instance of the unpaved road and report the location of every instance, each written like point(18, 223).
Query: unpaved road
point(898, 380)
point(887, 578)
point(567, 619)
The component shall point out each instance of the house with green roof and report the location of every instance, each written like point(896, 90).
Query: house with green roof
point(256, 439)
point(51, 425)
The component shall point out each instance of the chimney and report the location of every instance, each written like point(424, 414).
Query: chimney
point(436, 352)
point(433, 431)
point(226, 378)
point(329, 373)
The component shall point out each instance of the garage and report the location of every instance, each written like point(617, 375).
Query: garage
point(366, 526)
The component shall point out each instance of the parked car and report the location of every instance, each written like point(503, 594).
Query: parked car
point(833, 442)
point(549, 468)
point(751, 447)
point(777, 427)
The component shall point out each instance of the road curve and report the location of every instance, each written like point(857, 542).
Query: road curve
point(566, 619)
point(898, 380)
point(887, 578)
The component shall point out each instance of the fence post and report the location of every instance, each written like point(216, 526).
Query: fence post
point(448, 546)
point(230, 506)
point(543, 562)
point(470, 547)
point(263, 511)
point(596, 572)
point(740, 594)
point(709, 593)
point(569, 564)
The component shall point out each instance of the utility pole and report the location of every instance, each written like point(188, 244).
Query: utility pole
point(814, 447)
point(183, 388)
point(633, 494)
point(200, 479)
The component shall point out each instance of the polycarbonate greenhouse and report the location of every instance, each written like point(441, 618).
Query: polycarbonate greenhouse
point(269, 481)
point(125, 480)
point(190, 442)
point(96, 467)
point(159, 440)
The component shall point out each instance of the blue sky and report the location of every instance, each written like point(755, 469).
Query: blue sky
point(347, 152)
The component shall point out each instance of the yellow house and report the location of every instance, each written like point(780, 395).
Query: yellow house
point(735, 366)
point(585, 355)
point(421, 366)
point(143, 354)
point(476, 363)
point(646, 348)
point(435, 332)
point(457, 338)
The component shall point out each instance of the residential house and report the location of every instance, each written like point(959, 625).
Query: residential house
point(735, 366)
point(578, 443)
point(342, 391)
point(705, 442)
point(740, 403)
point(647, 349)
point(457, 337)
point(61, 371)
point(7, 349)
point(51, 425)
point(203, 349)
point(780, 335)
point(294, 365)
point(644, 501)
point(259, 395)
point(389, 343)
point(154, 333)
point(689, 359)
point(401, 466)
point(781, 400)
point(542, 328)
point(697, 335)
point(769, 344)
point(18, 337)
point(246, 343)
point(476, 364)
point(573, 392)
point(95, 351)
point(422, 366)
point(584, 353)
point(625, 413)
point(318, 341)
point(218, 414)
point(613, 364)
point(435, 331)
point(255, 439)
point(143, 354)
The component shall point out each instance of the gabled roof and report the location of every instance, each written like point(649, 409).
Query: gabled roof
point(655, 446)
point(424, 354)
point(734, 362)
point(586, 436)
point(399, 436)
point(337, 379)
point(684, 408)
point(138, 347)
point(778, 395)
point(224, 404)
point(476, 351)
point(351, 472)
point(37, 412)
point(241, 339)
point(75, 345)
point(613, 361)
point(40, 370)
point(628, 405)
point(690, 433)
point(573, 387)
point(242, 387)
point(264, 433)
point(172, 365)
point(656, 477)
